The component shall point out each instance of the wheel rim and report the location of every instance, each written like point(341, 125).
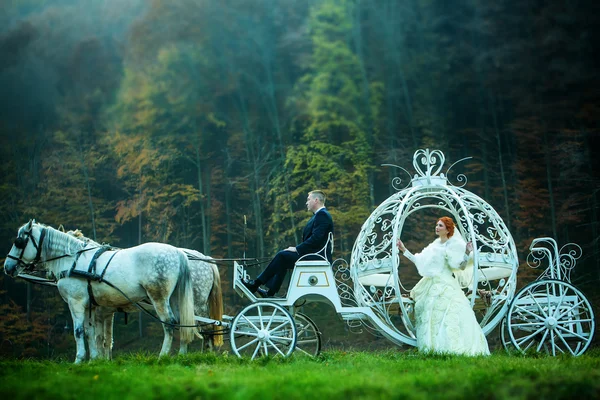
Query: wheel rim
point(308, 337)
point(505, 336)
point(551, 316)
point(263, 329)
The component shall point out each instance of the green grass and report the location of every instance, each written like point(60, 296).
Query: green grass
point(333, 375)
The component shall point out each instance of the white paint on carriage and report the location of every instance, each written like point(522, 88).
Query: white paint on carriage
point(299, 293)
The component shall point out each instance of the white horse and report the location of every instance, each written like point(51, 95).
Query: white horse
point(208, 301)
point(151, 271)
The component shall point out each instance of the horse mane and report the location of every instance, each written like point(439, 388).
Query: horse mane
point(55, 244)
point(79, 235)
point(57, 240)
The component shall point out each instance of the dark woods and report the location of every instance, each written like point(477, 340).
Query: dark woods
point(205, 123)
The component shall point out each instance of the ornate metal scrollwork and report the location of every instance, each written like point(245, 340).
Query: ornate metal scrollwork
point(560, 261)
point(476, 220)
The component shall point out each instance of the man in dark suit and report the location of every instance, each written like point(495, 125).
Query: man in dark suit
point(314, 237)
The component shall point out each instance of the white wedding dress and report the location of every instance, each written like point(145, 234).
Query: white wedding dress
point(444, 320)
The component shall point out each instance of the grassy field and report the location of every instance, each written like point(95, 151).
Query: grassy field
point(333, 375)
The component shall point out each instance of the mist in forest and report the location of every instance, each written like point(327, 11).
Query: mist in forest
point(204, 123)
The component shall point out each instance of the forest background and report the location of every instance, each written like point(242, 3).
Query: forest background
point(204, 123)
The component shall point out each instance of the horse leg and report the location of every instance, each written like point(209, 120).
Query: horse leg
point(100, 337)
point(104, 325)
point(108, 335)
point(90, 332)
point(164, 312)
point(183, 347)
point(77, 310)
point(209, 343)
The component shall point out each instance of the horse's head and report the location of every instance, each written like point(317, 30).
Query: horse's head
point(26, 250)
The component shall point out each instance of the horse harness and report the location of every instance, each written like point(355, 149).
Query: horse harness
point(90, 275)
point(21, 243)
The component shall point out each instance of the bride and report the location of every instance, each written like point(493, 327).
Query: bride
point(444, 320)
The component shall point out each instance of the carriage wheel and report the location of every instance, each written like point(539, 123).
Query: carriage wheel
point(263, 329)
point(308, 340)
point(505, 336)
point(550, 316)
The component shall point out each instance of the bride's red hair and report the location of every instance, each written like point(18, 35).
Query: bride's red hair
point(449, 223)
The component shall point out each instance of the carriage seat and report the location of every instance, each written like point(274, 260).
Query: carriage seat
point(377, 272)
point(316, 259)
point(493, 266)
point(377, 280)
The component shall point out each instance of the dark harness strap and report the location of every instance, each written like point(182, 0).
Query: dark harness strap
point(106, 266)
point(97, 254)
point(92, 276)
point(66, 273)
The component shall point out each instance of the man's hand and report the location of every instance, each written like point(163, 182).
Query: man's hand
point(292, 249)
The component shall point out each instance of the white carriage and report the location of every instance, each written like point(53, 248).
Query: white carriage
point(547, 315)
point(550, 314)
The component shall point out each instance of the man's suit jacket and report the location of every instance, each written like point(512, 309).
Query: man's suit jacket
point(315, 234)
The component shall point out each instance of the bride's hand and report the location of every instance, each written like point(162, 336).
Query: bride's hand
point(469, 247)
point(400, 246)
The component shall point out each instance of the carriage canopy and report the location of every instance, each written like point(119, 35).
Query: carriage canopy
point(376, 263)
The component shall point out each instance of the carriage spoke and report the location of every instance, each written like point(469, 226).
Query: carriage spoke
point(560, 302)
point(562, 339)
point(554, 346)
point(306, 341)
point(282, 338)
point(253, 334)
point(567, 311)
point(531, 343)
point(280, 326)
point(539, 306)
point(303, 351)
point(303, 330)
point(568, 321)
point(266, 349)
point(548, 298)
point(248, 344)
point(572, 322)
point(276, 348)
point(523, 339)
point(542, 341)
point(260, 317)
point(531, 313)
point(250, 322)
point(256, 350)
point(529, 324)
point(572, 333)
point(271, 319)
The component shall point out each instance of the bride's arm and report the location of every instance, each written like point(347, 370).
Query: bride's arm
point(405, 252)
point(462, 262)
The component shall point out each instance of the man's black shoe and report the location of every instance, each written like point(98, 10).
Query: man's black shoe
point(251, 285)
point(263, 293)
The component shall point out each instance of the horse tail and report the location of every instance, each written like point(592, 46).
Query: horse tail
point(186, 301)
point(215, 304)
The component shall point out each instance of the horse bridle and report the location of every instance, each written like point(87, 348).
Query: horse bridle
point(21, 243)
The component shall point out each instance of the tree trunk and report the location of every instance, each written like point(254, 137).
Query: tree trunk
point(550, 189)
point(500, 160)
point(203, 221)
point(89, 190)
point(140, 322)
